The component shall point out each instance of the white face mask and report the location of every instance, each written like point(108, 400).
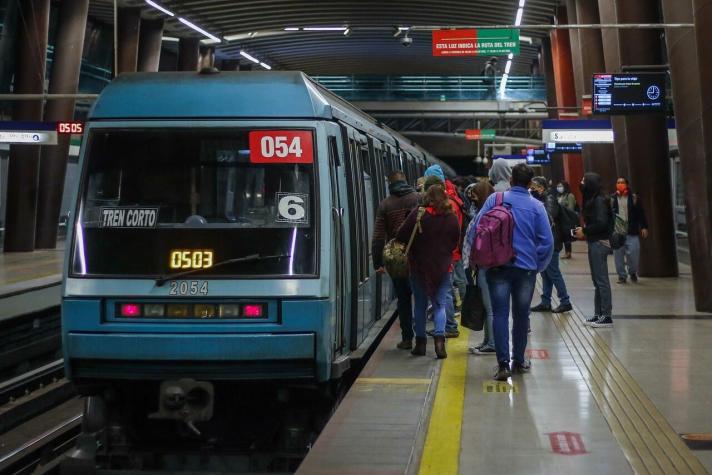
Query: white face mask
point(560, 189)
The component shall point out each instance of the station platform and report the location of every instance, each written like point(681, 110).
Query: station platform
point(631, 399)
point(30, 281)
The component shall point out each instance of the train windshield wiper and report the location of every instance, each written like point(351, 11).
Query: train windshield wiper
point(250, 258)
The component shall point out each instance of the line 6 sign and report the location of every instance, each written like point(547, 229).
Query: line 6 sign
point(281, 146)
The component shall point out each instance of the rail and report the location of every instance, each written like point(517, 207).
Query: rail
point(434, 88)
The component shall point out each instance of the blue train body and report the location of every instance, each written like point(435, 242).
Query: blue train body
point(165, 165)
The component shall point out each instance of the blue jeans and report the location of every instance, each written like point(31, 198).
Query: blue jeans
point(450, 322)
point(487, 301)
point(421, 306)
point(517, 284)
point(405, 306)
point(459, 280)
point(552, 277)
point(630, 252)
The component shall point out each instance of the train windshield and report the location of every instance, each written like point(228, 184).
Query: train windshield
point(156, 202)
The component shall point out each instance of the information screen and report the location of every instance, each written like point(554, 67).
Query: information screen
point(627, 93)
point(538, 156)
point(559, 147)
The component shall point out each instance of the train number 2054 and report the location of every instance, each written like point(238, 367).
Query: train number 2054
point(188, 287)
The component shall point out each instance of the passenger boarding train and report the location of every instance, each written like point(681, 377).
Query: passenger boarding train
point(220, 233)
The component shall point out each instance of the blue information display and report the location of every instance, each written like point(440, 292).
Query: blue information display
point(538, 156)
point(561, 147)
point(627, 93)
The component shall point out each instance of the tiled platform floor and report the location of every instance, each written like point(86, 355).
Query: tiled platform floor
point(596, 401)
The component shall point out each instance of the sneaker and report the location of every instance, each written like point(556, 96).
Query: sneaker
point(452, 333)
point(591, 321)
point(564, 307)
point(502, 372)
point(485, 350)
point(521, 368)
point(405, 345)
point(603, 322)
point(634, 277)
point(542, 307)
point(621, 280)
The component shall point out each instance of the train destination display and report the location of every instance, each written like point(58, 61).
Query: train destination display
point(627, 93)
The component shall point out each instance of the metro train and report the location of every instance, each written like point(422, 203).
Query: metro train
point(220, 235)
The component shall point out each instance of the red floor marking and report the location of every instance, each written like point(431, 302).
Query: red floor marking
point(537, 354)
point(567, 443)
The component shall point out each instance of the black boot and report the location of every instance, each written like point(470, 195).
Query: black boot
point(440, 347)
point(420, 344)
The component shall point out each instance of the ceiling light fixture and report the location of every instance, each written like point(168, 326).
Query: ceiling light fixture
point(518, 19)
point(510, 57)
point(325, 28)
point(521, 3)
point(508, 67)
point(249, 56)
point(266, 66)
point(198, 29)
point(171, 39)
point(160, 8)
point(347, 31)
point(526, 39)
point(291, 28)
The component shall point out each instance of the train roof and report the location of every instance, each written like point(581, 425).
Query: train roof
point(233, 94)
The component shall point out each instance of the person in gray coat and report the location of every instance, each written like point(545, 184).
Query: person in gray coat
point(499, 174)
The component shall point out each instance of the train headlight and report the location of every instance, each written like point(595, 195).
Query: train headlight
point(229, 311)
point(204, 310)
point(130, 310)
point(177, 310)
point(154, 310)
point(252, 311)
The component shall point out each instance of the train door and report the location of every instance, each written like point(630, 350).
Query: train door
point(358, 199)
point(339, 262)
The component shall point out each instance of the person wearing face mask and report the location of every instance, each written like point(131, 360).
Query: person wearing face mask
point(568, 200)
point(631, 222)
point(598, 226)
point(478, 194)
point(551, 277)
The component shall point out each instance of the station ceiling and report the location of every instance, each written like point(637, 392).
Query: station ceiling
point(369, 48)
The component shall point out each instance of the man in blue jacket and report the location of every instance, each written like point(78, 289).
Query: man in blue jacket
point(533, 246)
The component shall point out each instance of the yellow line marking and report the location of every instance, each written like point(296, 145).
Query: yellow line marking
point(499, 387)
point(400, 381)
point(647, 439)
point(441, 453)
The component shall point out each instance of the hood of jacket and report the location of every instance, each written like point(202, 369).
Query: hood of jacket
point(591, 186)
point(500, 171)
point(435, 170)
point(451, 191)
point(400, 188)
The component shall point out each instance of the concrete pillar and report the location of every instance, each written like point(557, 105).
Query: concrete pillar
point(149, 45)
point(566, 94)
point(23, 170)
point(612, 60)
point(550, 77)
point(647, 144)
point(8, 36)
point(129, 26)
point(588, 53)
point(569, 15)
point(688, 49)
point(65, 78)
point(188, 54)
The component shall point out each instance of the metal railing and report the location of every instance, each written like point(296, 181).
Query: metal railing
point(434, 88)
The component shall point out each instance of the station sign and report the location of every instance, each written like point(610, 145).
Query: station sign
point(36, 133)
point(472, 42)
point(480, 134)
point(577, 131)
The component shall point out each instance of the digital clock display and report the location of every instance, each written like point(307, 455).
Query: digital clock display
point(191, 259)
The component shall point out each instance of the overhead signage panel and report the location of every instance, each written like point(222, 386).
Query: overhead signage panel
point(480, 134)
point(626, 93)
point(32, 137)
point(473, 42)
point(578, 136)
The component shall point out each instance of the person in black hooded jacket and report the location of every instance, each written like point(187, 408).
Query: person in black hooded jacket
point(598, 224)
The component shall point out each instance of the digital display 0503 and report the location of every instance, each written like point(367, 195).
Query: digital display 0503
point(191, 259)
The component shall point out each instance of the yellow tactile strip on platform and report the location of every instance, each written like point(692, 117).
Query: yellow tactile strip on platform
point(441, 453)
point(647, 439)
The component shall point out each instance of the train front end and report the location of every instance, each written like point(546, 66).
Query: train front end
point(194, 263)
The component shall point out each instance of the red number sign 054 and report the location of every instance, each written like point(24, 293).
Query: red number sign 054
point(281, 146)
